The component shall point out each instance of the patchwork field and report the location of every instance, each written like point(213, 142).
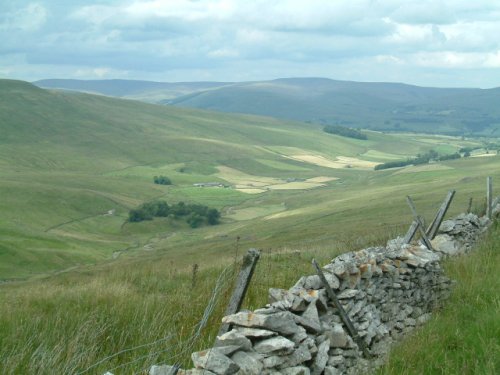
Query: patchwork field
point(339, 162)
point(252, 184)
point(423, 168)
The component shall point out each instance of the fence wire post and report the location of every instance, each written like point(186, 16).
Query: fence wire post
point(411, 232)
point(345, 318)
point(489, 197)
point(242, 283)
point(418, 219)
point(438, 219)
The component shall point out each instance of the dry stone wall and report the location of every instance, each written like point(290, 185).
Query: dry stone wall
point(386, 292)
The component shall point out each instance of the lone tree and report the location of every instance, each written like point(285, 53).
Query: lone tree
point(213, 216)
point(162, 180)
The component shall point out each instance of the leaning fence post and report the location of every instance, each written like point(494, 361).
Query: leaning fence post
point(418, 219)
point(436, 223)
point(343, 315)
point(240, 289)
point(469, 207)
point(489, 197)
point(411, 232)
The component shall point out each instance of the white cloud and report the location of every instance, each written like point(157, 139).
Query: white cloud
point(223, 53)
point(475, 35)
point(405, 33)
point(100, 73)
point(382, 59)
point(492, 60)
point(184, 9)
point(30, 18)
point(451, 59)
point(95, 14)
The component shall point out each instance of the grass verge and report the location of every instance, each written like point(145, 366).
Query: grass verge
point(464, 336)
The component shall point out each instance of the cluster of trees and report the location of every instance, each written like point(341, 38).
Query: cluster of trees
point(344, 132)
point(467, 150)
point(488, 146)
point(162, 180)
point(419, 159)
point(194, 214)
point(456, 155)
point(492, 146)
point(393, 164)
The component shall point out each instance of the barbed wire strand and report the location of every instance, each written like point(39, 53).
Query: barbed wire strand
point(124, 351)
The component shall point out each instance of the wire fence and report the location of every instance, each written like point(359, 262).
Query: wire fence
point(222, 280)
point(180, 348)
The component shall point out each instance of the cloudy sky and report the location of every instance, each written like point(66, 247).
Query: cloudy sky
point(452, 43)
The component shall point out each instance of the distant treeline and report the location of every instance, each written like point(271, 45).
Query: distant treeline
point(194, 214)
point(344, 132)
point(486, 145)
point(420, 159)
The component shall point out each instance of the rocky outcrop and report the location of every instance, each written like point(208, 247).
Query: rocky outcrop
point(385, 291)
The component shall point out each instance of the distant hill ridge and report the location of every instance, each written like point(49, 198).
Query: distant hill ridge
point(373, 105)
point(379, 106)
point(123, 88)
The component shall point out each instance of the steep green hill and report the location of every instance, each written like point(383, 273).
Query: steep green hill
point(72, 166)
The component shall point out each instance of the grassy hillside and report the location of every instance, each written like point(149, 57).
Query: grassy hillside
point(73, 165)
point(380, 106)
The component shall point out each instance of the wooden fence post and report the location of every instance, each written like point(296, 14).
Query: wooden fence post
point(438, 219)
point(411, 232)
point(469, 207)
point(240, 289)
point(345, 318)
point(489, 197)
point(436, 223)
point(418, 219)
